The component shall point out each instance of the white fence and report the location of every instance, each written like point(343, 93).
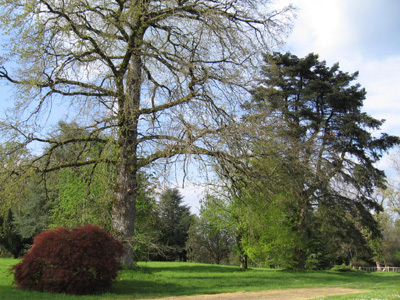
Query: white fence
point(381, 269)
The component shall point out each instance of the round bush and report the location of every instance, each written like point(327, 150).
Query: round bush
point(82, 261)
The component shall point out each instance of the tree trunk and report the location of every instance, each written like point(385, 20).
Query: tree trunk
point(301, 257)
point(242, 256)
point(124, 210)
point(127, 190)
point(378, 266)
point(243, 262)
point(300, 254)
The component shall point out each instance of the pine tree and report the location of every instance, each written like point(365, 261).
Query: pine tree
point(329, 151)
point(10, 238)
point(175, 219)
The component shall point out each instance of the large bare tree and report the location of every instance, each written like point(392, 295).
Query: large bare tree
point(162, 77)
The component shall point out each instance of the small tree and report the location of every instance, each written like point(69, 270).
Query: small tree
point(212, 235)
point(207, 243)
point(82, 261)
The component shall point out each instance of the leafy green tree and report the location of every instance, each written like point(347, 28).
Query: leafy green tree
point(79, 195)
point(84, 197)
point(175, 220)
point(387, 247)
point(269, 239)
point(13, 177)
point(260, 199)
point(143, 71)
point(329, 151)
point(210, 240)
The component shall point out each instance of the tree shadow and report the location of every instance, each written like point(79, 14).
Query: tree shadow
point(193, 279)
point(189, 268)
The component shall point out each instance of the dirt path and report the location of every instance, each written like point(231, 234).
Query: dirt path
point(288, 294)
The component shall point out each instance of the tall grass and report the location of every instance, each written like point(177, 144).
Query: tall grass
point(158, 279)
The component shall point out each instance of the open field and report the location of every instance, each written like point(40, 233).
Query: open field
point(156, 280)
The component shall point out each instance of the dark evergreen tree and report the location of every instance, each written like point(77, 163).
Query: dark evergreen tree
point(330, 151)
point(10, 238)
point(16, 189)
point(34, 213)
point(175, 220)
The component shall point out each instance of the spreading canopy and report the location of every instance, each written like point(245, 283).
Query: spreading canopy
point(159, 76)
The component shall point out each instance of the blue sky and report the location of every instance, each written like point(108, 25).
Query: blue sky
point(362, 35)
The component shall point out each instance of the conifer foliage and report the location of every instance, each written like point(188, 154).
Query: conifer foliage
point(10, 238)
point(175, 218)
point(84, 260)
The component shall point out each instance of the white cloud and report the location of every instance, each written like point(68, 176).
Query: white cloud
point(192, 194)
point(320, 27)
point(341, 28)
point(381, 79)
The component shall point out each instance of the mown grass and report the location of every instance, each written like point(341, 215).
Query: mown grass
point(157, 279)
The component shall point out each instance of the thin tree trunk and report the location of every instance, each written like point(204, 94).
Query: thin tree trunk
point(243, 262)
point(242, 255)
point(301, 255)
point(301, 258)
point(378, 266)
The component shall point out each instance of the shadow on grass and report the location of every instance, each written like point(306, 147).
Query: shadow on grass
point(187, 268)
point(123, 289)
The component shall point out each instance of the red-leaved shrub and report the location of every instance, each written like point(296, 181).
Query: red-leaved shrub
point(82, 261)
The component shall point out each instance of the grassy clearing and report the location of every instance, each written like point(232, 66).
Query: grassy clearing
point(156, 279)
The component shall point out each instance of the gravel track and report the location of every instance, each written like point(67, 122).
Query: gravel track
point(287, 294)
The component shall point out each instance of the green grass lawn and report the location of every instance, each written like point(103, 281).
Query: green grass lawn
point(158, 279)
